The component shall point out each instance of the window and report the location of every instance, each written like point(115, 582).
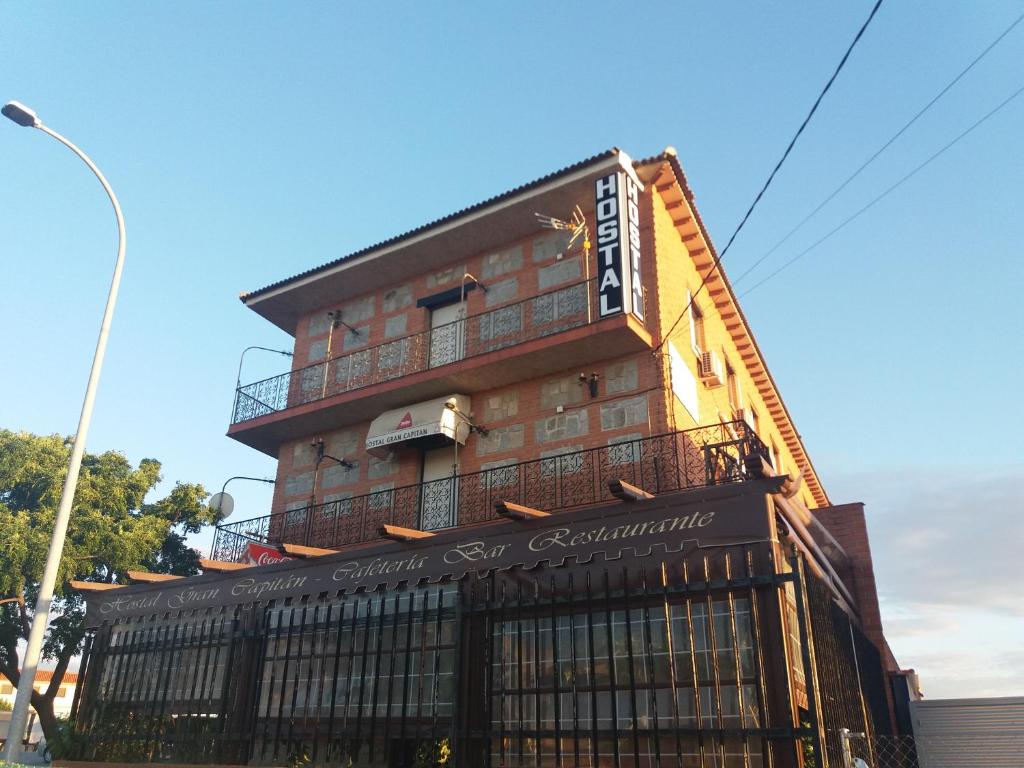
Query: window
point(733, 388)
point(697, 339)
point(614, 673)
point(754, 421)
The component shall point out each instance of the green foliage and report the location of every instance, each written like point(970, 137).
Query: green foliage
point(112, 529)
point(433, 753)
point(5, 706)
point(66, 743)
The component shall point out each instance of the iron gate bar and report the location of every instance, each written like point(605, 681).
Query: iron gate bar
point(573, 662)
point(519, 667)
point(406, 690)
point(796, 564)
point(237, 628)
point(762, 696)
point(290, 741)
point(422, 663)
point(737, 658)
point(593, 671)
point(716, 672)
point(672, 671)
point(555, 674)
point(536, 672)
point(691, 637)
point(629, 665)
point(338, 632)
point(504, 687)
point(206, 694)
point(275, 644)
point(458, 628)
point(391, 665)
point(613, 673)
point(322, 628)
point(190, 702)
point(362, 674)
point(376, 673)
point(156, 724)
point(112, 663)
point(437, 661)
point(261, 667)
point(83, 667)
point(645, 630)
point(350, 674)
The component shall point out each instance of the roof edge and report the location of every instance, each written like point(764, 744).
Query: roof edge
point(250, 297)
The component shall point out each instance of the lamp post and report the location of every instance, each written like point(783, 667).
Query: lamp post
point(24, 116)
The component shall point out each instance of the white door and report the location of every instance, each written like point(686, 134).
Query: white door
point(438, 497)
point(447, 334)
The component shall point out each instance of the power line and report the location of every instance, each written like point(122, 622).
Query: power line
point(907, 177)
point(880, 150)
point(718, 257)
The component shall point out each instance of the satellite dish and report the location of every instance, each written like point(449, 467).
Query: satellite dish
point(223, 505)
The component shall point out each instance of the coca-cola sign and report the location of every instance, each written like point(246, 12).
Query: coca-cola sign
point(261, 555)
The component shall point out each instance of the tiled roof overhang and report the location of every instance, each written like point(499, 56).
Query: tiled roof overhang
point(666, 174)
point(282, 302)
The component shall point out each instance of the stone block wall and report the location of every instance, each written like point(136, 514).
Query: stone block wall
point(538, 418)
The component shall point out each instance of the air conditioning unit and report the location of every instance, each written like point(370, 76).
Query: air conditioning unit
point(711, 372)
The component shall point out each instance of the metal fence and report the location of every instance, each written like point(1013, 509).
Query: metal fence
point(723, 453)
point(534, 318)
point(645, 662)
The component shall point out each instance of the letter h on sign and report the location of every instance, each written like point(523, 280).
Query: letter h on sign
point(618, 245)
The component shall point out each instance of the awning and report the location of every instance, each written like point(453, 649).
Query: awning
point(433, 417)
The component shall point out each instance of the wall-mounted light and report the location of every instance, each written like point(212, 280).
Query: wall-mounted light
point(318, 446)
point(335, 316)
point(452, 406)
point(590, 383)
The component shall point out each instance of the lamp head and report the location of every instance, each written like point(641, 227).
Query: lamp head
point(19, 113)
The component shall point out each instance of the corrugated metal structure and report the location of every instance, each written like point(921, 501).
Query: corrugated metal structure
point(969, 733)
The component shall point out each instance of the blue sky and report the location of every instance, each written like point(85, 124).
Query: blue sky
point(251, 141)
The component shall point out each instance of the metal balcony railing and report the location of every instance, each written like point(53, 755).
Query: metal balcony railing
point(543, 315)
point(722, 453)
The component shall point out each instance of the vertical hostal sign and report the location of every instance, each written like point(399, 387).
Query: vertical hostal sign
point(618, 245)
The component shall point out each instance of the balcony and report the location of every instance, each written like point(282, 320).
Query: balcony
point(546, 333)
point(713, 455)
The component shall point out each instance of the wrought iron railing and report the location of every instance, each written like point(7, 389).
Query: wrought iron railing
point(543, 315)
point(722, 453)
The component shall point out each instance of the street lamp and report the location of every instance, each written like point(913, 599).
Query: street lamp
point(238, 379)
point(24, 116)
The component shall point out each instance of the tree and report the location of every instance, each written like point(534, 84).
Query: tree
point(112, 530)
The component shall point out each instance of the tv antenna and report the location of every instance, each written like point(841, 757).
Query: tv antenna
point(577, 225)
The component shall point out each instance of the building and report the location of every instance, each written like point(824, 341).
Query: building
point(61, 702)
point(533, 507)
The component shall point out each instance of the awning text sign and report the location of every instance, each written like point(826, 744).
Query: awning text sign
point(615, 531)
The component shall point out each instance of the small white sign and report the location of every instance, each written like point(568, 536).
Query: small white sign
point(684, 383)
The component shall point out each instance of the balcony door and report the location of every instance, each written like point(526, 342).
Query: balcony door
point(438, 497)
point(447, 334)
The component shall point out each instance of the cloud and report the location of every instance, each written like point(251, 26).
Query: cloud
point(947, 550)
point(943, 538)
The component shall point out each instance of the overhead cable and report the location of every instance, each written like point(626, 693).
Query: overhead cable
point(718, 258)
point(905, 178)
point(880, 150)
